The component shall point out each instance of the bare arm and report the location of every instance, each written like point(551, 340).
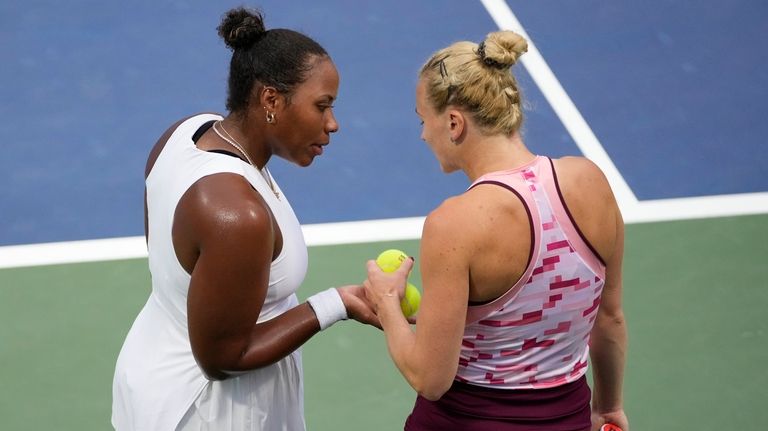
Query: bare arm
point(428, 357)
point(223, 234)
point(608, 347)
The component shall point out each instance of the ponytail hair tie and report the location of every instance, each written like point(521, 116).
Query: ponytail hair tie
point(489, 61)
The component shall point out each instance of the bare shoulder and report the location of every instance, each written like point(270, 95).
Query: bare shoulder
point(579, 174)
point(449, 220)
point(473, 215)
point(229, 198)
point(446, 216)
point(448, 240)
point(590, 201)
point(223, 206)
point(581, 166)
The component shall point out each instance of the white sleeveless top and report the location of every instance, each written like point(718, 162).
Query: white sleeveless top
point(157, 379)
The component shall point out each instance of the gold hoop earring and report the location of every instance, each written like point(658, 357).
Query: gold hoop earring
point(270, 117)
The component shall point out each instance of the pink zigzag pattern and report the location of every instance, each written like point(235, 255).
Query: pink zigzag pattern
point(561, 328)
point(550, 317)
point(527, 318)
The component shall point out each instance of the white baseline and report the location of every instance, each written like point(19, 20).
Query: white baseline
point(366, 231)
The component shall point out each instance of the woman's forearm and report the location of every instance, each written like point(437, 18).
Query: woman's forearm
point(608, 349)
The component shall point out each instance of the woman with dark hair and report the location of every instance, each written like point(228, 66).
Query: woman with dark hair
point(217, 344)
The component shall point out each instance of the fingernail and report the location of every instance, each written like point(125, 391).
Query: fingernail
point(412, 258)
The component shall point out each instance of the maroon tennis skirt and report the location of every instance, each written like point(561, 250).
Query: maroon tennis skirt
point(468, 407)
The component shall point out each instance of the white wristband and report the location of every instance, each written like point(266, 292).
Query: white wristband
point(328, 306)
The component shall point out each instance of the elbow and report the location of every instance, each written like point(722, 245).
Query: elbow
point(617, 318)
point(432, 395)
point(221, 367)
point(609, 330)
point(214, 375)
point(435, 390)
point(213, 372)
point(433, 381)
point(215, 367)
point(220, 360)
point(210, 362)
point(611, 318)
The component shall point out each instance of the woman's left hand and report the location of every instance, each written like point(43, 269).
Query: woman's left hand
point(381, 286)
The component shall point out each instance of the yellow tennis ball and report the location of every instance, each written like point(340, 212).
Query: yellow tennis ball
point(390, 260)
point(411, 301)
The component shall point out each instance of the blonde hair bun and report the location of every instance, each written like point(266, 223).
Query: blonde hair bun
point(501, 49)
point(478, 79)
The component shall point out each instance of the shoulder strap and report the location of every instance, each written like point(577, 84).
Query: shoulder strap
point(567, 222)
point(478, 312)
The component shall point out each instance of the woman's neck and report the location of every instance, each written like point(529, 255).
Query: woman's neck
point(494, 153)
point(252, 139)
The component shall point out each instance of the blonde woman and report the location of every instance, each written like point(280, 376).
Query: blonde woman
point(521, 273)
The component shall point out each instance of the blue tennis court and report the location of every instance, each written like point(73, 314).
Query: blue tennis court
point(676, 96)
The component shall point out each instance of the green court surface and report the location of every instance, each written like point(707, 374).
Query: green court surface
point(696, 299)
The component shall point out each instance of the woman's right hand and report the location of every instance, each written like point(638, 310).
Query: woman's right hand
point(616, 417)
point(358, 306)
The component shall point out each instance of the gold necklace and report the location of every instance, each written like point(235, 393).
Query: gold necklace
point(223, 134)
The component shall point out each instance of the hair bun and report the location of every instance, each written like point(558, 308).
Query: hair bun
point(241, 27)
point(501, 49)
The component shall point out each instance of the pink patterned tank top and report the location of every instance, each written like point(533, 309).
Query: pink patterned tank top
point(536, 335)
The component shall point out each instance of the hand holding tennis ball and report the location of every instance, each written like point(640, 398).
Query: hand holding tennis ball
point(390, 261)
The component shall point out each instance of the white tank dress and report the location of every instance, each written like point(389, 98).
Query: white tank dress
point(157, 385)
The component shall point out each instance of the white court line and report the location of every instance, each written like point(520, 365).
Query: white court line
point(562, 104)
point(55, 253)
point(368, 231)
point(698, 207)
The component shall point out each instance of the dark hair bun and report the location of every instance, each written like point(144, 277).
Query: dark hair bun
point(241, 27)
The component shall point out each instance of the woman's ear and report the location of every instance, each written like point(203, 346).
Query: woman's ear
point(456, 125)
point(269, 98)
